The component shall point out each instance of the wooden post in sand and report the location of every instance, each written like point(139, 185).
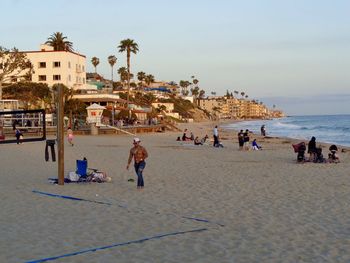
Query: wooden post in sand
point(60, 136)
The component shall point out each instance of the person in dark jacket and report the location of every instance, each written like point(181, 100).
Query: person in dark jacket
point(240, 139)
point(311, 149)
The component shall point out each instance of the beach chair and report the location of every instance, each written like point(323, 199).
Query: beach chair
point(82, 167)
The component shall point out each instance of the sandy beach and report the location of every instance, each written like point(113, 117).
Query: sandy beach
point(200, 203)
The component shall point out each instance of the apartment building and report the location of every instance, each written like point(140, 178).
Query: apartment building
point(52, 67)
point(231, 107)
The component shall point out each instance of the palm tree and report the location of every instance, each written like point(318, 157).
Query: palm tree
point(129, 46)
point(242, 94)
point(149, 79)
point(141, 76)
point(95, 61)
point(184, 84)
point(236, 92)
point(123, 74)
point(59, 42)
point(195, 91)
point(112, 60)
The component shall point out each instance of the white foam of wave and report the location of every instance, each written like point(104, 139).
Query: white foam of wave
point(286, 125)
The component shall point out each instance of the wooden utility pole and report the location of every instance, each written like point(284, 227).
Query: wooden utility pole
point(60, 136)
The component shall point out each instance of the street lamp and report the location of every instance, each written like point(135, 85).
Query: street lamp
point(113, 113)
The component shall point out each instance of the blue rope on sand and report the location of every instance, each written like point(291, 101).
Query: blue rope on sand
point(116, 245)
point(70, 197)
point(92, 201)
point(202, 220)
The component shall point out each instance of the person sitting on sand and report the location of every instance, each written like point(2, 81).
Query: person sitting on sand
point(185, 137)
point(203, 140)
point(255, 145)
point(191, 136)
point(197, 141)
point(319, 156)
point(333, 156)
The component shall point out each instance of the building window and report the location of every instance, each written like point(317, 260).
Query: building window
point(42, 77)
point(68, 64)
point(56, 64)
point(42, 64)
point(83, 80)
point(83, 68)
point(56, 77)
point(69, 78)
point(13, 79)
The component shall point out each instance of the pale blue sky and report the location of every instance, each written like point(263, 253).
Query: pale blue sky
point(276, 51)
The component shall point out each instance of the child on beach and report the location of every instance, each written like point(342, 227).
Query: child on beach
point(70, 136)
point(333, 156)
point(255, 145)
point(19, 136)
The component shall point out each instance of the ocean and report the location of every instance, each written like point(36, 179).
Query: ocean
point(333, 129)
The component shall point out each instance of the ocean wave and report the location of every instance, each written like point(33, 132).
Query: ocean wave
point(286, 125)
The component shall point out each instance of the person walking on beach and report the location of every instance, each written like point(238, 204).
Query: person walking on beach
point(263, 131)
point(216, 137)
point(139, 154)
point(70, 136)
point(246, 139)
point(19, 136)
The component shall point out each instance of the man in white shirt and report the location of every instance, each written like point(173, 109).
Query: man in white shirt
point(216, 137)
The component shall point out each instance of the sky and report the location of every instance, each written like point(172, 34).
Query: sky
point(292, 53)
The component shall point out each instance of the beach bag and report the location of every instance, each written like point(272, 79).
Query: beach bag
point(73, 177)
point(21, 137)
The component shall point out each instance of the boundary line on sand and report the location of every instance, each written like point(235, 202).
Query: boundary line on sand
point(117, 245)
point(122, 206)
point(70, 197)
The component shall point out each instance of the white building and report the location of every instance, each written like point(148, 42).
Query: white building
point(52, 67)
point(169, 109)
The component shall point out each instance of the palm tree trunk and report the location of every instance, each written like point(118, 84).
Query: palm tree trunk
point(112, 75)
point(128, 63)
point(0, 90)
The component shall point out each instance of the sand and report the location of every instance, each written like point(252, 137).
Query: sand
point(250, 206)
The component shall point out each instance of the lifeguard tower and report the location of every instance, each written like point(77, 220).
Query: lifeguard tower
point(94, 117)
